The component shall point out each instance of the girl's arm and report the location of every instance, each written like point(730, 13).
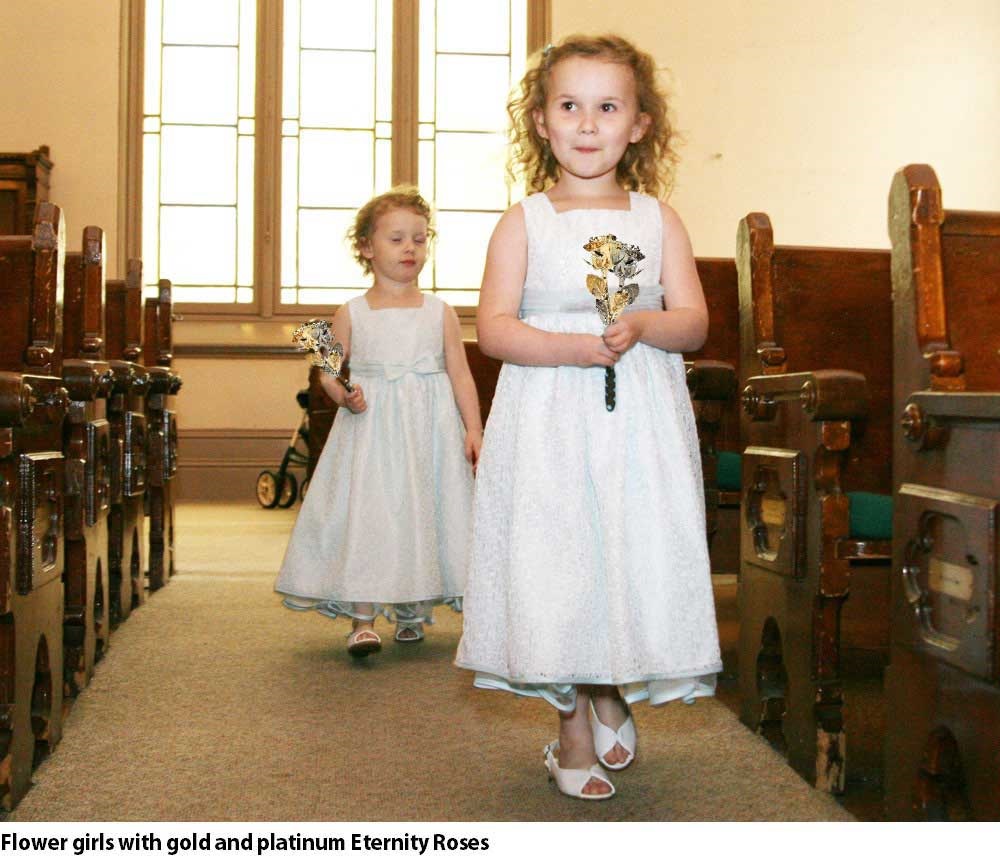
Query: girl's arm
point(501, 334)
point(355, 401)
point(462, 384)
point(681, 328)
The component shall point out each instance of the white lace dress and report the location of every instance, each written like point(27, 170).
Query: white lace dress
point(589, 562)
point(388, 516)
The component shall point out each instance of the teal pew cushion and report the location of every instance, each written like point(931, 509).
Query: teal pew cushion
point(871, 515)
point(730, 470)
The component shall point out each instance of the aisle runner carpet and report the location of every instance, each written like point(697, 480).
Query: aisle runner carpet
point(216, 704)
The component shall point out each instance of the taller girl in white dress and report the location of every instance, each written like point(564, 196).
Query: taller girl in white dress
point(589, 581)
point(385, 527)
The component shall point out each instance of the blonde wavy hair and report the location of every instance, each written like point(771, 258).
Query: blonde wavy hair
point(646, 166)
point(400, 197)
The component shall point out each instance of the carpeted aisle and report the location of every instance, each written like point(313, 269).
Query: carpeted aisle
point(216, 704)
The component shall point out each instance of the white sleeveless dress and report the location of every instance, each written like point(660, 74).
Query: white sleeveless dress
point(589, 562)
point(388, 515)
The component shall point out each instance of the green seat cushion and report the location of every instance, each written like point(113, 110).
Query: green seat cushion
point(730, 470)
point(871, 515)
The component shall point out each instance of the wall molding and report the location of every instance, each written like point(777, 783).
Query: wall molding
point(222, 464)
point(236, 351)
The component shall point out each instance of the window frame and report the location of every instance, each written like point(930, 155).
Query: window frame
point(267, 146)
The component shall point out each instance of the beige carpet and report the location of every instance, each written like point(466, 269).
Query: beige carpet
point(214, 703)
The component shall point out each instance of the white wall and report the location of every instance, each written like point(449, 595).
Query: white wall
point(59, 71)
point(805, 109)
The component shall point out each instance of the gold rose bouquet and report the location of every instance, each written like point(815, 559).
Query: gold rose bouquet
point(607, 254)
point(316, 338)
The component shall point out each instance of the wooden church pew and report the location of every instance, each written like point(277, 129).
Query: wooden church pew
point(942, 746)
point(33, 406)
point(815, 322)
point(88, 379)
point(322, 410)
point(126, 415)
point(162, 429)
point(712, 374)
point(485, 372)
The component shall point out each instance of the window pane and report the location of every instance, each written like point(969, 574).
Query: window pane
point(336, 169)
point(196, 22)
point(472, 93)
point(383, 60)
point(458, 298)
point(198, 165)
point(338, 24)
point(383, 166)
point(338, 89)
point(341, 60)
point(482, 27)
point(327, 297)
point(289, 212)
point(198, 244)
point(324, 257)
point(248, 57)
point(199, 85)
point(245, 212)
point(461, 248)
point(151, 207)
point(428, 60)
point(221, 295)
point(290, 61)
point(472, 175)
point(151, 94)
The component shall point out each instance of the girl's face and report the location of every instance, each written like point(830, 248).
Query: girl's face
point(398, 246)
point(591, 115)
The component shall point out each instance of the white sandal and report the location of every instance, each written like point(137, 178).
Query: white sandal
point(359, 645)
point(417, 628)
point(606, 738)
point(571, 781)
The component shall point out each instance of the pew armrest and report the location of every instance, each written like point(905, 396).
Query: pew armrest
point(828, 395)
point(708, 380)
point(928, 416)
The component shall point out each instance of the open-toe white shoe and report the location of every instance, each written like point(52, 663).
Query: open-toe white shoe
point(409, 632)
point(606, 738)
point(363, 641)
point(571, 781)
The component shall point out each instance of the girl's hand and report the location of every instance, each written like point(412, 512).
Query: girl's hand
point(473, 445)
point(355, 401)
point(623, 334)
point(590, 350)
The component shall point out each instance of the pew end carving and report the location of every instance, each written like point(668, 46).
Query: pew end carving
point(162, 430)
point(817, 426)
point(127, 418)
point(88, 379)
point(33, 405)
point(942, 762)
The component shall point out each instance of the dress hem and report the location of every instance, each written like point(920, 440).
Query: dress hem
point(708, 669)
point(657, 689)
point(394, 611)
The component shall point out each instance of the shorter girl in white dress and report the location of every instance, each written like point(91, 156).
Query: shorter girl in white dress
point(386, 524)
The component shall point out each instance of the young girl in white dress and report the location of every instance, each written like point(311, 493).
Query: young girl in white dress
point(386, 524)
point(589, 581)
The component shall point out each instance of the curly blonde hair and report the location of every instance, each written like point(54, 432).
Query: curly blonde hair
point(400, 197)
point(646, 166)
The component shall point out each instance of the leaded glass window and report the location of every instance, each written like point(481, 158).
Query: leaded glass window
point(198, 149)
point(248, 190)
